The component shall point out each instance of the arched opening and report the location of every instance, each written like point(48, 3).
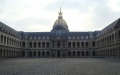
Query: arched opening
point(34, 53)
point(69, 44)
point(39, 44)
point(47, 44)
point(43, 54)
point(69, 53)
point(34, 44)
point(0, 53)
point(43, 44)
point(119, 34)
point(83, 53)
point(4, 39)
point(58, 54)
point(94, 54)
point(78, 53)
point(39, 54)
point(78, 44)
point(73, 44)
point(7, 40)
point(1, 38)
point(93, 43)
point(23, 53)
point(30, 53)
point(58, 44)
point(86, 44)
point(30, 44)
point(74, 53)
point(87, 53)
point(82, 44)
point(23, 44)
point(47, 53)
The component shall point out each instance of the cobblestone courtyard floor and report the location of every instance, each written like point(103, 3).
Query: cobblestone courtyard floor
point(59, 66)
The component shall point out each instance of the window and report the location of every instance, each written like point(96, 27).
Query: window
point(69, 37)
point(82, 37)
point(30, 38)
point(43, 37)
point(86, 37)
point(78, 37)
point(34, 38)
point(47, 37)
point(39, 37)
point(73, 37)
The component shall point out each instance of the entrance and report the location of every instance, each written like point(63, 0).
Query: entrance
point(58, 54)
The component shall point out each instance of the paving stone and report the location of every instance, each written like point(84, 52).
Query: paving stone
point(59, 66)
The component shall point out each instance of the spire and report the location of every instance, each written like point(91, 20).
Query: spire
point(60, 14)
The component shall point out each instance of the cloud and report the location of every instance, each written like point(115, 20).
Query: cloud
point(80, 15)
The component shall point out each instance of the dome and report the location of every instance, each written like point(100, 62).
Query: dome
point(60, 23)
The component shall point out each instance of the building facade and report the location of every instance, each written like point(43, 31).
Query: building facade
point(60, 42)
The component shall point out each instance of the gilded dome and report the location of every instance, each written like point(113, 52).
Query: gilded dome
point(60, 23)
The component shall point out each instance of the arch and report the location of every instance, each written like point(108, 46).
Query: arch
point(34, 53)
point(1, 38)
point(58, 44)
point(43, 44)
point(86, 44)
point(74, 53)
point(69, 53)
point(39, 44)
point(30, 44)
point(7, 40)
point(23, 53)
point(69, 44)
point(118, 34)
point(94, 53)
point(93, 43)
point(39, 53)
point(30, 53)
point(87, 53)
point(34, 44)
point(4, 39)
point(78, 44)
point(23, 44)
point(47, 44)
point(47, 53)
point(0, 53)
point(82, 44)
point(43, 53)
point(83, 53)
point(78, 53)
point(73, 44)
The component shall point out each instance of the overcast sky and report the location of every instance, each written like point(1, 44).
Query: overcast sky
point(40, 15)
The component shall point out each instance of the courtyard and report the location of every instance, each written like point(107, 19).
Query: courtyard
point(60, 66)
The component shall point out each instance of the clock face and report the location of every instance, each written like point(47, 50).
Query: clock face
point(58, 37)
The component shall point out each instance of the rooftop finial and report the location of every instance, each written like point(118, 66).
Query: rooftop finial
point(60, 14)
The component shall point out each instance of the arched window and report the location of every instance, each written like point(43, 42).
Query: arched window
point(73, 44)
point(58, 44)
point(93, 43)
point(47, 44)
point(69, 53)
point(30, 44)
point(69, 44)
point(78, 44)
point(39, 44)
point(23, 44)
point(86, 44)
point(34, 44)
point(119, 34)
point(43, 44)
point(82, 44)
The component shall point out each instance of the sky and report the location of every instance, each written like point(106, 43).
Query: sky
point(40, 15)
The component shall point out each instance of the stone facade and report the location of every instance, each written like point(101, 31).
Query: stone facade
point(60, 42)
